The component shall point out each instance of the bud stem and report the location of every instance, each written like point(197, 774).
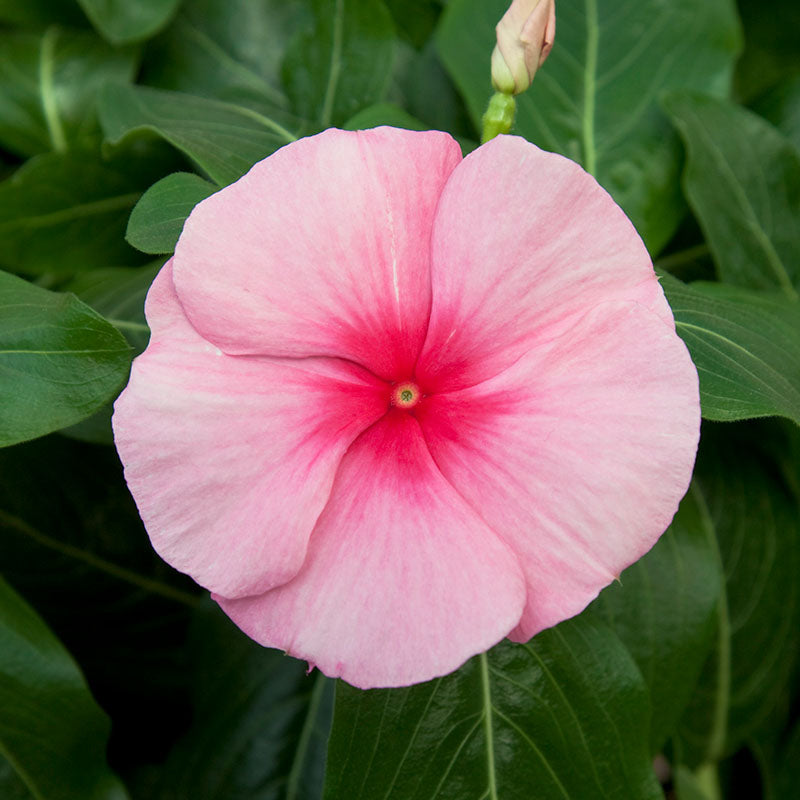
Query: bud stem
point(499, 116)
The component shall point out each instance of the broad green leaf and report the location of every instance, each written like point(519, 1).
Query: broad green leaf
point(49, 84)
point(59, 360)
point(564, 716)
point(122, 21)
point(787, 772)
point(157, 219)
point(225, 140)
point(260, 724)
point(757, 526)
point(781, 106)
point(63, 213)
point(118, 294)
point(595, 100)
point(226, 49)
point(664, 611)
point(415, 19)
point(745, 345)
point(343, 63)
point(51, 729)
point(73, 544)
point(742, 180)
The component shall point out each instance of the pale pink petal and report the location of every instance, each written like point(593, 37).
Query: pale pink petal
point(403, 581)
point(523, 240)
point(321, 249)
point(577, 455)
point(231, 459)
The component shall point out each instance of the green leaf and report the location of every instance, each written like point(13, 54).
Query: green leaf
point(40, 13)
point(787, 774)
point(66, 212)
point(745, 345)
point(343, 64)
point(742, 180)
point(226, 49)
point(565, 716)
point(59, 360)
point(595, 100)
point(225, 140)
point(118, 294)
point(781, 106)
point(49, 84)
point(73, 544)
point(121, 21)
point(51, 730)
point(757, 526)
point(664, 611)
point(157, 219)
point(260, 723)
point(772, 45)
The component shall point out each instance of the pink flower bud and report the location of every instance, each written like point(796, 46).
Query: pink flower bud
point(525, 37)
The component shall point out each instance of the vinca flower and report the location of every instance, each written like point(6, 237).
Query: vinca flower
point(397, 405)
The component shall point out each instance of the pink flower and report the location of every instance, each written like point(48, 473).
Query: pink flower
point(397, 406)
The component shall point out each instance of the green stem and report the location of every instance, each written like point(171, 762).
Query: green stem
point(707, 777)
point(499, 116)
point(47, 88)
point(148, 584)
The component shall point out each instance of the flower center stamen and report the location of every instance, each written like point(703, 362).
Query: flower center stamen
point(406, 395)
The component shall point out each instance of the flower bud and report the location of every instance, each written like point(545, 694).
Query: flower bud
point(525, 37)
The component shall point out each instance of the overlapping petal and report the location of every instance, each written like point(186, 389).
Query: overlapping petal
point(231, 459)
point(577, 455)
point(403, 581)
point(321, 249)
point(523, 241)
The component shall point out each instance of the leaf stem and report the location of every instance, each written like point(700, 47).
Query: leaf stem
point(719, 722)
point(142, 582)
point(589, 87)
point(488, 727)
point(336, 65)
point(49, 105)
point(682, 257)
point(293, 782)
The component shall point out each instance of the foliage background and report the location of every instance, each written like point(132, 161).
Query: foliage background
point(118, 678)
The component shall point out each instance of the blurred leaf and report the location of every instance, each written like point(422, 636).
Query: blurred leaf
point(743, 181)
point(343, 64)
point(595, 100)
point(59, 360)
point(664, 611)
point(40, 13)
point(49, 84)
point(12, 787)
point(415, 19)
point(781, 106)
point(51, 729)
point(122, 21)
point(74, 545)
point(687, 786)
point(223, 139)
point(157, 219)
point(226, 49)
point(66, 212)
point(772, 44)
point(758, 627)
point(383, 114)
point(745, 345)
point(260, 724)
point(118, 294)
point(566, 713)
point(787, 774)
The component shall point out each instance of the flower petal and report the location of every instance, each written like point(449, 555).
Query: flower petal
point(577, 455)
point(321, 249)
point(231, 459)
point(523, 241)
point(403, 581)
